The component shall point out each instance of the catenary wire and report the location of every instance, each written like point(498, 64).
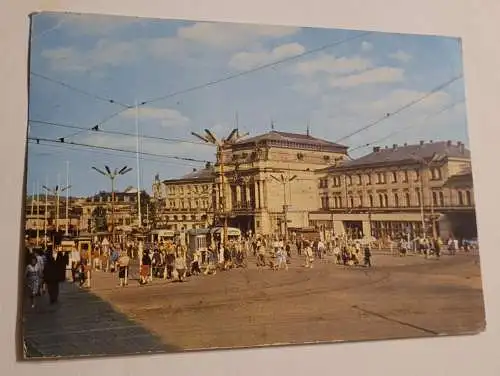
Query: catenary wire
point(166, 139)
point(400, 109)
point(39, 139)
point(440, 111)
point(74, 88)
point(229, 77)
point(105, 152)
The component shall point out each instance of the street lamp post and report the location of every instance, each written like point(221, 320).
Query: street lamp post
point(112, 176)
point(435, 159)
point(221, 144)
point(284, 180)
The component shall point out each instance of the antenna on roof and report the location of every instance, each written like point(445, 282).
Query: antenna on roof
point(308, 131)
point(272, 124)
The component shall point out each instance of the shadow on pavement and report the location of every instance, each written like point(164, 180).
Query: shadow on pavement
point(83, 325)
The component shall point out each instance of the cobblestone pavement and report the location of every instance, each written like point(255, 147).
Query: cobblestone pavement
point(399, 297)
point(82, 324)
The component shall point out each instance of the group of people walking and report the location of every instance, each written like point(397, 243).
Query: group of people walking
point(45, 270)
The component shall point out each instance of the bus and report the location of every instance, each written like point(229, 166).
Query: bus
point(158, 236)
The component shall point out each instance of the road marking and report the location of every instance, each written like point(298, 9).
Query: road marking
point(394, 320)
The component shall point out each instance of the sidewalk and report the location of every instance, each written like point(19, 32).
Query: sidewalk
point(82, 324)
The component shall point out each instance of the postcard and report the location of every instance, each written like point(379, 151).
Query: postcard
point(203, 185)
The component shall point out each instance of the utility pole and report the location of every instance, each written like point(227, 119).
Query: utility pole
point(221, 144)
point(67, 199)
point(138, 165)
point(284, 180)
point(46, 218)
point(57, 192)
point(37, 214)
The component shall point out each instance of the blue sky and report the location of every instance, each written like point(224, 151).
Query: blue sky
point(336, 90)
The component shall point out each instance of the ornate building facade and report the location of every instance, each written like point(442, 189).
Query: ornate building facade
point(187, 202)
point(270, 180)
point(399, 190)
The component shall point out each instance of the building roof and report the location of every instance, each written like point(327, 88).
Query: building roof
point(206, 174)
point(295, 138)
point(405, 153)
point(463, 178)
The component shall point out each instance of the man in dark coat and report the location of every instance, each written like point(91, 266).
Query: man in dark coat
point(54, 273)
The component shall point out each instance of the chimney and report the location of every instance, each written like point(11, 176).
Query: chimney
point(194, 169)
point(421, 143)
point(406, 144)
point(376, 149)
point(386, 147)
point(208, 165)
point(448, 143)
point(462, 148)
point(430, 141)
point(394, 146)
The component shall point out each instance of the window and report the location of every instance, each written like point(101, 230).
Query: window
point(396, 200)
point(460, 198)
point(370, 198)
point(405, 176)
point(360, 180)
point(436, 173)
point(349, 180)
point(361, 203)
point(417, 174)
point(407, 199)
point(394, 177)
point(183, 217)
point(193, 217)
point(419, 202)
point(386, 200)
point(351, 201)
point(468, 197)
point(380, 178)
point(434, 198)
point(441, 199)
point(369, 179)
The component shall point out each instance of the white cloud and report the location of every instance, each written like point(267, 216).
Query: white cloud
point(89, 24)
point(167, 117)
point(332, 65)
point(372, 76)
point(366, 46)
point(398, 98)
point(231, 35)
point(249, 60)
point(401, 56)
point(104, 53)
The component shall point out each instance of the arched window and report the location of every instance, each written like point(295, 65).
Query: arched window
point(351, 202)
point(183, 217)
point(441, 199)
point(407, 199)
point(396, 200)
point(371, 200)
point(386, 199)
point(434, 198)
point(468, 197)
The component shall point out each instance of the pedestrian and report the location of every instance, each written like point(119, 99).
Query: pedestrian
point(146, 264)
point(123, 263)
point(40, 263)
point(180, 266)
point(308, 253)
point(52, 274)
point(368, 257)
point(32, 276)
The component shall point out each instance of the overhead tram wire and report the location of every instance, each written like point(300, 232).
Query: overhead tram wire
point(106, 152)
point(75, 89)
point(94, 129)
point(40, 139)
point(229, 77)
point(440, 111)
point(401, 109)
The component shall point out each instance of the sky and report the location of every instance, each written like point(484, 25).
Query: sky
point(197, 75)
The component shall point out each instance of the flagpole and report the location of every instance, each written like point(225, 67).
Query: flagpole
point(138, 165)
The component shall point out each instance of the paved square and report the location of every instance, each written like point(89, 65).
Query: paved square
point(399, 297)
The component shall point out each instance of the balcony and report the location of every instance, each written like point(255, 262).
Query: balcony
point(243, 206)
